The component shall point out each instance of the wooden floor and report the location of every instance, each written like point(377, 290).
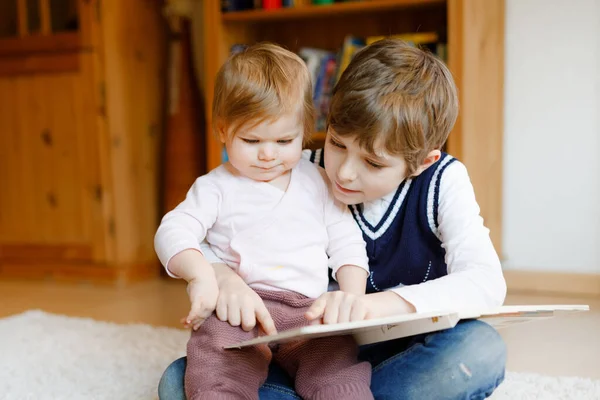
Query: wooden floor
point(567, 346)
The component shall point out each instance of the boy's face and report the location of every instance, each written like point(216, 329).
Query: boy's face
point(358, 176)
point(268, 150)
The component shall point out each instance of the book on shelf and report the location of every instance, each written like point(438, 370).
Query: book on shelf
point(326, 67)
point(395, 327)
point(244, 5)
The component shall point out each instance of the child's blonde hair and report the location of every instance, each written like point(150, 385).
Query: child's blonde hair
point(261, 83)
point(399, 96)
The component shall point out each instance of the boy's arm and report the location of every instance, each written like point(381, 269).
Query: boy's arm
point(349, 262)
point(474, 277)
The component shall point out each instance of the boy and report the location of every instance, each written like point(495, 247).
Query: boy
point(428, 249)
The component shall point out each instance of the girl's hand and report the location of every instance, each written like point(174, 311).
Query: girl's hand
point(240, 305)
point(203, 294)
point(337, 307)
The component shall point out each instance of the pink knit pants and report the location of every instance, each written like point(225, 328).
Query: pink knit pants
point(324, 368)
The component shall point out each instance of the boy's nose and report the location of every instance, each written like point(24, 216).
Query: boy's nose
point(346, 173)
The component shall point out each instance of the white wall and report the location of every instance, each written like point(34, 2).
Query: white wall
point(552, 136)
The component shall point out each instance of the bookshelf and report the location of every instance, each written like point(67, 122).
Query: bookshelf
point(352, 7)
point(472, 29)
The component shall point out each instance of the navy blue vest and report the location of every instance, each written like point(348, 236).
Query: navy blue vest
point(404, 248)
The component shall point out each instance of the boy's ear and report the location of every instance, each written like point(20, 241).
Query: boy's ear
point(432, 158)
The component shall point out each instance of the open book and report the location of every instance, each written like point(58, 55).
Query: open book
point(381, 329)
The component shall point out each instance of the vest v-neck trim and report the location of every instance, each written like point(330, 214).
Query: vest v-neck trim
point(375, 232)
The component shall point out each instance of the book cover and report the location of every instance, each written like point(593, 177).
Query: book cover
point(382, 329)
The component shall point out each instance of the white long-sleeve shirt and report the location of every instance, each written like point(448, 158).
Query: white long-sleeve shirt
point(274, 240)
point(475, 278)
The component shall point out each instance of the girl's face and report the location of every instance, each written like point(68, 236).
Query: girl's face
point(358, 176)
point(268, 150)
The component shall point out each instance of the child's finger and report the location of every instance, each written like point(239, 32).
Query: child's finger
point(344, 311)
point(331, 314)
point(248, 318)
point(195, 311)
point(234, 315)
point(317, 309)
point(198, 324)
point(221, 310)
point(359, 312)
point(264, 319)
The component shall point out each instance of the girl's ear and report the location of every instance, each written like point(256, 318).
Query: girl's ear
point(432, 158)
point(221, 131)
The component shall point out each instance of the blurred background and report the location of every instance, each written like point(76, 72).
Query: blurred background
point(104, 125)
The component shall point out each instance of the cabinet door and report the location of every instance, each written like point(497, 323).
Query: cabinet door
point(21, 18)
point(52, 197)
point(44, 35)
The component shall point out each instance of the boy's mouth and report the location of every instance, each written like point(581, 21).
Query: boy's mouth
point(344, 190)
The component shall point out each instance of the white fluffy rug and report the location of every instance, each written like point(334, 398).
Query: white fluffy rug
point(46, 356)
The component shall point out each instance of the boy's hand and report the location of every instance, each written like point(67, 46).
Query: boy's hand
point(386, 304)
point(337, 307)
point(203, 295)
point(240, 305)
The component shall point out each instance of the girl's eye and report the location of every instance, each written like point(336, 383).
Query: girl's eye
point(374, 165)
point(285, 141)
point(250, 141)
point(336, 143)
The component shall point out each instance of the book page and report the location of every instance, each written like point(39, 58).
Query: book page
point(382, 329)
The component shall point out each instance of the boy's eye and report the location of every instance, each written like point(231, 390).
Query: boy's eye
point(285, 141)
point(374, 165)
point(336, 143)
point(250, 141)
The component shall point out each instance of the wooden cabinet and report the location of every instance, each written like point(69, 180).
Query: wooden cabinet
point(81, 108)
point(472, 29)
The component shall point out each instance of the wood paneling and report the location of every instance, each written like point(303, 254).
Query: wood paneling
point(35, 64)
point(560, 283)
point(79, 145)
point(31, 253)
point(22, 17)
point(80, 271)
point(57, 43)
point(476, 57)
point(41, 164)
point(134, 60)
point(45, 16)
point(184, 136)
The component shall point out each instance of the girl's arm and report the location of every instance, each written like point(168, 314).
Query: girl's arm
point(177, 244)
point(185, 227)
point(352, 279)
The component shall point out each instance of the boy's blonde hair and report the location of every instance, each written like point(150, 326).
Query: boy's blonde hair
point(395, 96)
point(262, 83)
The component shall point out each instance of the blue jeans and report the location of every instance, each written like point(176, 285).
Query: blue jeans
point(466, 362)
